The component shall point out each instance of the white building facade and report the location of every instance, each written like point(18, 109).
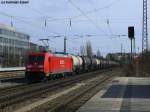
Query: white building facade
point(13, 46)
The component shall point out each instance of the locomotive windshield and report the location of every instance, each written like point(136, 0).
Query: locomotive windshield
point(36, 58)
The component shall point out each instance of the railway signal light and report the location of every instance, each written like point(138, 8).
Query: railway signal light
point(131, 37)
point(131, 32)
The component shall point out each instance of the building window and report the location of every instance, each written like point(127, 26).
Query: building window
point(1, 39)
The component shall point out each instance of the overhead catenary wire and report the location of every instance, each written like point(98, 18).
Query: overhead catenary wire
point(26, 22)
point(41, 13)
point(67, 20)
point(45, 20)
point(88, 12)
point(90, 20)
point(82, 12)
point(49, 18)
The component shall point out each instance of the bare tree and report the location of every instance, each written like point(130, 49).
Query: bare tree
point(83, 51)
point(98, 53)
point(89, 49)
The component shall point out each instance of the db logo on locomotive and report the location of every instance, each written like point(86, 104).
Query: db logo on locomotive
point(61, 62)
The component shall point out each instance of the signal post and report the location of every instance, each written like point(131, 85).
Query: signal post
point(132, 38)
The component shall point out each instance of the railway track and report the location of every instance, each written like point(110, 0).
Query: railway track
point(75, 97)
point(13, 96)
point(75, 101)
point(12, 90)
point(72, 101)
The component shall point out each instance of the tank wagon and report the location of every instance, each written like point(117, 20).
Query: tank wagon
point(43, 65)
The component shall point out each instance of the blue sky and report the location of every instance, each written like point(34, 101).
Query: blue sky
point(106, 18)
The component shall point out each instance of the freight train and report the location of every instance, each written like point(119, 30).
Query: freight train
point(44, 65)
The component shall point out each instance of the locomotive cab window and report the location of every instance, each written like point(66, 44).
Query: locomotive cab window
point(36, 58)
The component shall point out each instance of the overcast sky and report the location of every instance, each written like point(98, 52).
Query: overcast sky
point(102, 18)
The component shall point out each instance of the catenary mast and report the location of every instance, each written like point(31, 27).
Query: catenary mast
point(145, 30)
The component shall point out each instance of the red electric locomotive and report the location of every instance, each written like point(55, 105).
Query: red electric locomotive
point(40, 65)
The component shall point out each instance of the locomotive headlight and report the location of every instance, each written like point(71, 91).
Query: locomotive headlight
point(29, 66)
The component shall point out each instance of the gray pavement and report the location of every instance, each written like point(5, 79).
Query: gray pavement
point(123, 94)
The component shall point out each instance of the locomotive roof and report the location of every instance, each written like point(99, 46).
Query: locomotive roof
point(39, 53)
point(49, 53)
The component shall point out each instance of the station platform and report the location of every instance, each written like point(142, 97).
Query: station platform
point(123, 94)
